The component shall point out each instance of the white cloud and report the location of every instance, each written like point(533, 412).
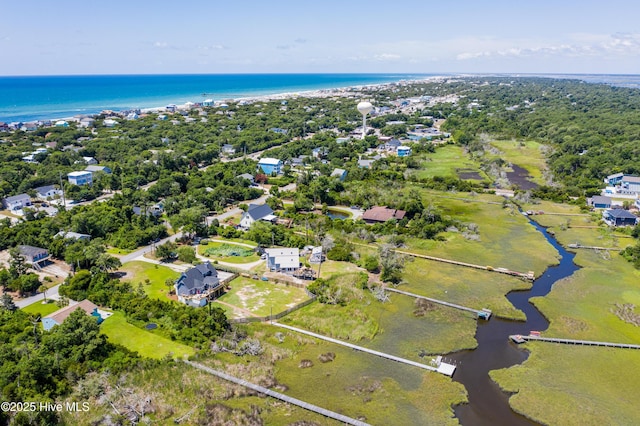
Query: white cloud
point(386, 57)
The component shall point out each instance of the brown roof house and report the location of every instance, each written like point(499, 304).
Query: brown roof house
point(60, 315)
point(378, 214)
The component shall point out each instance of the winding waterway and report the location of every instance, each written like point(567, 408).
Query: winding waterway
point(488, 405)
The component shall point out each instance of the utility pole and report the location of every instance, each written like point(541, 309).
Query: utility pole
point(64, 203)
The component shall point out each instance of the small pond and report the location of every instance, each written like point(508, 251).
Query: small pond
point(338, 214)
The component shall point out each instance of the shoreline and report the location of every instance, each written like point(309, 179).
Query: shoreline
point(308, 93)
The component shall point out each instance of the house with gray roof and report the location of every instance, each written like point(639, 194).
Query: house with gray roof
point(17, 202)
point(195, 286)
point(285, 260)
point(95, 169)
point(59, 316)
point(47, 192)
point(599, 202)
point(33, 255)
point(256, 212)
point(619, 217)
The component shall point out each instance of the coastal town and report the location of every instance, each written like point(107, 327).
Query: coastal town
point(331, 249)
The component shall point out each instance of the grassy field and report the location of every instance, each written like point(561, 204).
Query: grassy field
point(139, 272)
point(474, 288)
point(526, 154)
point(506, 238)
point(147, 344)
point(212, 249)
point(446, 161)
point(118, 251)
point(40, 309)
point(261, 297)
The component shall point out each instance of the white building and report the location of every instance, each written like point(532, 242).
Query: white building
point(283, 259)
point(17, 202)
point(270, 165)
point(256, 212)
point(80, 178)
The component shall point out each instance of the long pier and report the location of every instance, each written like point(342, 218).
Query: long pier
point(482, 313)
point(442, 367)
point(521, 339)
point(580, 246)
point(278, 395)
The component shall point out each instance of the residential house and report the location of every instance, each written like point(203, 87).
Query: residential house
point(109, 122)
point(619, 217)
point(32, 254)
point(630, 183)
point(316, 255)
point(87, 122)
point(59, 316)
point(195, 286)
point(207, 103)
point(90, 160)
point(283, 259)
point(80, 178)
point(270, 166)
point(96, 169)
point(379, 214)
point(404, 151)
point(342, 140)
point(161, 117)
point(614, 179)
point(155, 210)
point(17, 202)
point(279, 130)
point(256, 212)
point(70, 235)
point(365, 164)
point(320, 152)
point(61, 123)
point(29, 127)
point(339, 173)
point(599, 202)
point(47, 192)
point(228, 149)
point(246, 176)
point(392, 145)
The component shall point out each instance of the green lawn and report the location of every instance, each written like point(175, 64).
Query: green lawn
point(156, 274)
point(147, 344)
point(118, 251)
point(446, 161)
point(40, 309)
point(261, 297)
point(214, 249)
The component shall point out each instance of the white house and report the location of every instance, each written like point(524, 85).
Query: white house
point(109, 122)
point(47, 192)
point(90, 160)
point(61, 123)
point(283, 259)
point(256, 212)
point(80, 178)
point(87, 122)
point(16, 202)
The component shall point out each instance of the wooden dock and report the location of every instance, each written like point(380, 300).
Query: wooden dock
point(521, 339)
point(482, 313)
point(441, 367)
point(278, 395)
point(580, 246)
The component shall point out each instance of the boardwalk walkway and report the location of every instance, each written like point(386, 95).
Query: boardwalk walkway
point(580, 246)
point(442, 367)
point(480, 313)
point(278, 395)
point(522, 339)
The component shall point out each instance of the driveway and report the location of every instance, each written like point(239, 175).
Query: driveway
point(52, 293)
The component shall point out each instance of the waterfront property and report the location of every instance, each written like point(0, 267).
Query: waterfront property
point(80, 178)
point(270, 166)
point(256, 212)
point(283, 259)
point(379, 214)
point(59, 316)
point(619, 217)
point(17, 202)
point(195, 286)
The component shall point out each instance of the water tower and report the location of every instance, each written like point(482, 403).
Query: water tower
point(364, 108)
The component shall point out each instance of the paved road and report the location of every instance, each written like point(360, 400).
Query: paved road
point(52, 293)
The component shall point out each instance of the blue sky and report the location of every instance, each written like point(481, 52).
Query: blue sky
point(41, 37)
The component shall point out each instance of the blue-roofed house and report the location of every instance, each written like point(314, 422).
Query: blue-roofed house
point(256, 212)
point(195, 286)
point(270, 166)
point(619, 217)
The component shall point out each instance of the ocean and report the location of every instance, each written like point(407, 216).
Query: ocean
point(49, 97)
